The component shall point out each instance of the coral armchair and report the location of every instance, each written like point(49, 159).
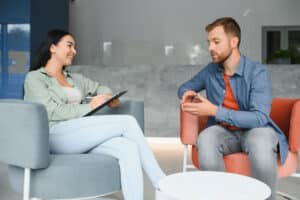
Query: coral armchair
point(284, 112)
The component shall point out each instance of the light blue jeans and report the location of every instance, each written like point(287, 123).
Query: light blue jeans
point(259, 143)
point(116, 135)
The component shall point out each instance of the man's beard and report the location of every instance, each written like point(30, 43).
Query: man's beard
point(223, 58)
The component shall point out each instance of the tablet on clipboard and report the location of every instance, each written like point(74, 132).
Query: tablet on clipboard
point(116, 96)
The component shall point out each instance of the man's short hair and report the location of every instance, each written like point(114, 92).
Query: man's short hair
point(229, 24)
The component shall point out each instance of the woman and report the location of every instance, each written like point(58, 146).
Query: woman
point(63, 93)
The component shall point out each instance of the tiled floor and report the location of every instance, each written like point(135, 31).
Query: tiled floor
point(169, 155)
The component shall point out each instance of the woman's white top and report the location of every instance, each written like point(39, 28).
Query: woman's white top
point(73, 94)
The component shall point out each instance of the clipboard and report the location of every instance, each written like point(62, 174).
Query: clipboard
point(116, 96)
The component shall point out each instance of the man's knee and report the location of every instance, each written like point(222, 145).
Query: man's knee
point(209, 139)
point(260, 140)
point(206, 139)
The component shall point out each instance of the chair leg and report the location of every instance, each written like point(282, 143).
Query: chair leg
point(185, 155)
point(185, 164)
point(26, 187)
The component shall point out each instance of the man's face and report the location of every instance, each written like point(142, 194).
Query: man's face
point(219, 45)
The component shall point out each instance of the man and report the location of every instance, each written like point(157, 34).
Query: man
point(239, 96)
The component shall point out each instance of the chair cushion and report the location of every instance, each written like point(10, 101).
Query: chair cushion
point(289, 167)
point(234, 163)
point(70, 176)
point(129, 107)
point(239, 163)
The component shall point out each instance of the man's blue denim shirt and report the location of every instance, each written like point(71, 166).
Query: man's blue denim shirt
point(252, 88)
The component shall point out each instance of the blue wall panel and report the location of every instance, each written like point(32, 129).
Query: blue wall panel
point(15, 11)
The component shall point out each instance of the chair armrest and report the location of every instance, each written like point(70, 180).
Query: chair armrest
point(189, 127)
point(294, 133)
point(128, 107)
point(24, 136)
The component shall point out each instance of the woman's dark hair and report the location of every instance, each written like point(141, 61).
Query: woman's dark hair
point(42, 54)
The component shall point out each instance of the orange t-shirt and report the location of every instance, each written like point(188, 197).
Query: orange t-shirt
point(229, 102)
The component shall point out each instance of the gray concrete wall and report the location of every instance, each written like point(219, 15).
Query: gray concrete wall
point(139, 29)
point(157, 86)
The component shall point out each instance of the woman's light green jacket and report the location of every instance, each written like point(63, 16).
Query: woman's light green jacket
point(42, 88)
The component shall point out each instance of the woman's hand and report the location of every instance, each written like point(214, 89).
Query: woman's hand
point(99, 99)
point(114, 103)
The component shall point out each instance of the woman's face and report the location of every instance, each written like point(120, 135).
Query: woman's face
point(64, 51)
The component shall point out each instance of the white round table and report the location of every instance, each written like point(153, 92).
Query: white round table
point(209, 185)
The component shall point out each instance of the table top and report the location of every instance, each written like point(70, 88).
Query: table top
point(212, 185)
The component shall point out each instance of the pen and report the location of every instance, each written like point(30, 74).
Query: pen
point(195, 97)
